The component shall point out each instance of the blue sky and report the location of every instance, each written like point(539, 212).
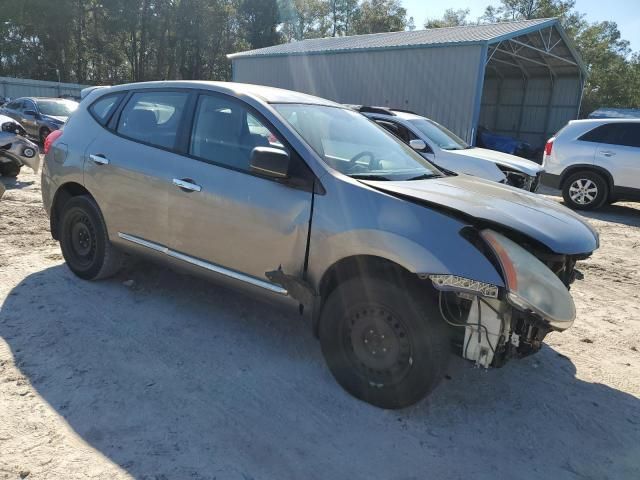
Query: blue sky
point(626, 13)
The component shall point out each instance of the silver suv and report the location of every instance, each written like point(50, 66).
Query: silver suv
point(595, 162)
point(299, 199)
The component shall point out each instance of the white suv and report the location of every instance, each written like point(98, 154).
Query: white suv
point(595, 162)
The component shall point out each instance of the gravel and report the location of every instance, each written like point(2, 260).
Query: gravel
point(155, 375)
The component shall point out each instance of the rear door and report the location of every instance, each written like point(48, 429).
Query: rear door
point(622, 155)
point(227, 216)
point(129, 166)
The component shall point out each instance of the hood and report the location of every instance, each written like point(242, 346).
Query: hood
point(500, 158)
point(548, 222)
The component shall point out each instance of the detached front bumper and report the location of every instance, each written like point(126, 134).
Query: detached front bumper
point(16, 148)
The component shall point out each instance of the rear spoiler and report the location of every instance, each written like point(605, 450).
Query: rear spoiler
point(86, 91)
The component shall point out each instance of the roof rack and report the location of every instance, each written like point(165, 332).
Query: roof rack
point(378, 110)
point(404, 111)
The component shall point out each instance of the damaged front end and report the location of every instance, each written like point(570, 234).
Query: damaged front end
point(15, 149)
point(499, 323)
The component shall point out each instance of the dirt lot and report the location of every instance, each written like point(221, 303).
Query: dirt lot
point(173, 377)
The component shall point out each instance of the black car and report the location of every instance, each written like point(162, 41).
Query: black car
point(40, 116)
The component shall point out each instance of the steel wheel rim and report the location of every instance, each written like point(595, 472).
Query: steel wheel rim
point(377, 344)
point(82, 239)
point(583, 191)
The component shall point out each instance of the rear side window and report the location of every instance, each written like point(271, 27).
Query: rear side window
point(610, 133)
point(631, 135)
point(102, 108)
point(153, 117)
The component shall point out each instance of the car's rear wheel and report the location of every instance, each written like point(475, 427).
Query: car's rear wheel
point(585, 191)
point(11, 169)
point(84, 242)
point(383, 344)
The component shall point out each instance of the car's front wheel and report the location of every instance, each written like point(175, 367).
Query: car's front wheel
point(84, 242)
point(585, 191)
point(383, 344)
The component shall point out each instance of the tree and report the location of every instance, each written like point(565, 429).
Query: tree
point(375, 16)
point(259, 19)
point(451, 18)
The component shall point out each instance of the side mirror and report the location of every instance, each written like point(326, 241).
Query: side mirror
point(31, 113)
point(418, 145)
point(270, 162)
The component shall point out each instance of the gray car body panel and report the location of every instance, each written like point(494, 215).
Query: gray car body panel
point(265, 224)
point(546, 221)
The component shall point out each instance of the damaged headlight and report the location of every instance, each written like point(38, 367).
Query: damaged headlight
point(531, 285)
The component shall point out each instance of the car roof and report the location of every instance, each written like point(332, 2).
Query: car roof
point(259, 92)
point(600, 121)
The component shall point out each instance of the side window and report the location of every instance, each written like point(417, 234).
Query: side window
point(29, 105)
point(631, 135)
point(610, 133)
point(102, 108)
point(153, 117)
point(225, 132)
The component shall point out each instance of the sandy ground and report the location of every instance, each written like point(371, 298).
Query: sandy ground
point(173, 377)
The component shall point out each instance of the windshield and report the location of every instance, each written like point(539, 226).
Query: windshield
point(439, 135)
point(57, 108)
point(350, 143)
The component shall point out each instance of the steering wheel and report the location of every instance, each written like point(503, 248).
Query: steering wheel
point(353, 165)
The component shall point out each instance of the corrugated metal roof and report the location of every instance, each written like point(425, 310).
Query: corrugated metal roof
point(434, 36)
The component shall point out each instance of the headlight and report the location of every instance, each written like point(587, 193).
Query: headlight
point(530, 284)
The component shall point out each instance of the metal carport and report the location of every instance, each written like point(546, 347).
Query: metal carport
point(521, 78)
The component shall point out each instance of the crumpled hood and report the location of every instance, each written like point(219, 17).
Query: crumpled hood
point(548, 222)
point(522, 164)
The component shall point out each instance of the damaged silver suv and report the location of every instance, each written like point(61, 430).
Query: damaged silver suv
point(299, 199)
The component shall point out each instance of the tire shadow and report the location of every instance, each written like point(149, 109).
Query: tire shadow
point(175, 377)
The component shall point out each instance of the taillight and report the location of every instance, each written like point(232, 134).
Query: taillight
point(548, 147)
point(52, 137)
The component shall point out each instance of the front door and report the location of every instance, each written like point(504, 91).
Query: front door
point(225, 215)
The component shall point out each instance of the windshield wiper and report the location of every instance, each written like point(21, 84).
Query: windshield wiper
point(424, 176)
point(369, 176)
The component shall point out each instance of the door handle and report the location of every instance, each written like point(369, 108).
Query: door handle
point(99, 159)
point(608, 153)
point(186, 184)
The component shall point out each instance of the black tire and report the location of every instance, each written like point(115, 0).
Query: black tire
point(84, 241)
point(585, 190)
point(365, 314)
point(11, 170)
point(44, 133)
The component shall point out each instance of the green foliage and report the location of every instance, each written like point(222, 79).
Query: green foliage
point(451, 18)
point(376, 16)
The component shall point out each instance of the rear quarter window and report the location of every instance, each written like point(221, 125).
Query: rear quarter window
point(102, 108)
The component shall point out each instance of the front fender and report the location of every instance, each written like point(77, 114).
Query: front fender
point(419, 239)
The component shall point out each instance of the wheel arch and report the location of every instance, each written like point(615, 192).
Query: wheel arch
point(588, 168)
point(358, 265)
point(64, 193)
